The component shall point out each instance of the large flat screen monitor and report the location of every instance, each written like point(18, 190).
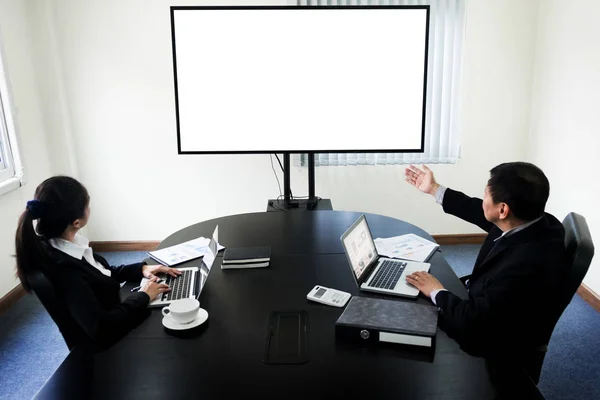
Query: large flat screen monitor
point(300, 79)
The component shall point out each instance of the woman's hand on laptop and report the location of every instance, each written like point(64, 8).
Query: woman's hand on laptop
point(153, 289)
point(425, 282)
point(149, 271)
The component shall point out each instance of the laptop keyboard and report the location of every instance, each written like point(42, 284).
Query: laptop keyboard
point(388, 274)
point(180, 286)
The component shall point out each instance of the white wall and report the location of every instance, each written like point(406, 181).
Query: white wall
point(116, 63)
point(497, 76)
point(565, 129)
point(15, 43)
point(51, 88)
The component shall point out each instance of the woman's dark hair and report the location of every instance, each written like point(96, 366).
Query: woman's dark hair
point(522, 186)
point(58, 202)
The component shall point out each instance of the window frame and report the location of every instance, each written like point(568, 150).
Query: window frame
point(7, 169)
point(12, 175)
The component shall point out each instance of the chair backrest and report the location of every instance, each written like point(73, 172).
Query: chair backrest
point(579, 250)
point(43, 288)
point(579, 253)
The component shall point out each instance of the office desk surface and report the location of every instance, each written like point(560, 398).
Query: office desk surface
point(224, 357)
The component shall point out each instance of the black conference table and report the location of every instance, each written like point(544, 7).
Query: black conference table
point(223, 358)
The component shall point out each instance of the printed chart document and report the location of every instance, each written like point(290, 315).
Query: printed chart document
point(408, 247)
point(183, 252)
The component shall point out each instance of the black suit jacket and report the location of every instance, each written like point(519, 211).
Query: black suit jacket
point(509, 308)
point(92, 298)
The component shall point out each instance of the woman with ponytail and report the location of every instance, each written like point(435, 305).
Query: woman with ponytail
point(86, 284)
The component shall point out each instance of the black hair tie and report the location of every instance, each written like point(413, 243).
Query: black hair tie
point(35, 208)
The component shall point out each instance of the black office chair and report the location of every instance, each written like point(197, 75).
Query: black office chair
point(67, 326)
point(579, 253)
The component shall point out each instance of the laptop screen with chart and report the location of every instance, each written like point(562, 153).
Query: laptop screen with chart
point(372, 272)
point(360, 247)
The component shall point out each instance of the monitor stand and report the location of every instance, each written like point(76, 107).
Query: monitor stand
point(300, 205)
point(288, 203)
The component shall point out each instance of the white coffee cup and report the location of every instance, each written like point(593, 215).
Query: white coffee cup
point(182, 311)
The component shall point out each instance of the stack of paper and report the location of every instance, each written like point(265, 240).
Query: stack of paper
point(183, 252)
point(408, 247)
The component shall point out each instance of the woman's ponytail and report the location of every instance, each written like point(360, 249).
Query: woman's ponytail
point(30, 252)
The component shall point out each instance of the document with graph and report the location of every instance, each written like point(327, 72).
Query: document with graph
point(408, 247)
point(183, 252)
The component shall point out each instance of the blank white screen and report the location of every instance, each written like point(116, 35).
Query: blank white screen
point(300, 79)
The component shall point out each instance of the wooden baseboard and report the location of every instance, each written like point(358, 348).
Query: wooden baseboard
point(106, 246)
point(591, 297)
point(124, 246)
point(470, 238)
point(11, 298)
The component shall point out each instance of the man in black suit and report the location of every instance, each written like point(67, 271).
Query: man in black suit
point(510, 292)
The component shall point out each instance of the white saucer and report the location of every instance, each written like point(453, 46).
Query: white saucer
point(200, 318)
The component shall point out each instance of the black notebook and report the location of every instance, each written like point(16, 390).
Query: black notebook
point(388, 321)
point(247, 255)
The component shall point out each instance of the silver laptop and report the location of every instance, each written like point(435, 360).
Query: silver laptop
point(192, 280)
point(372, 272)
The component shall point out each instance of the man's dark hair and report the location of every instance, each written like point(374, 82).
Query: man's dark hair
point(522, 186)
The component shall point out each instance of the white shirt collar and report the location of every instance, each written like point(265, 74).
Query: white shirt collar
point(518, 228)
point(79, 249)
point(76, 249)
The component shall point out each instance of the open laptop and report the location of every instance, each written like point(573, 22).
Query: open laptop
point(372, 272)
point(192, 280)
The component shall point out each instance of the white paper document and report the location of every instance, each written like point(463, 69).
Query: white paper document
point(186, 251)
point(408, 247)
